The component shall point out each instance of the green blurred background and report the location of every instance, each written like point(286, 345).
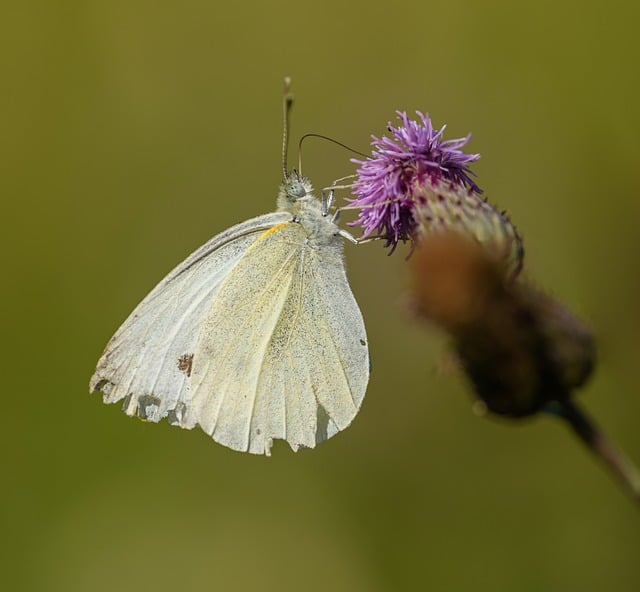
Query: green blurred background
point(131, 132)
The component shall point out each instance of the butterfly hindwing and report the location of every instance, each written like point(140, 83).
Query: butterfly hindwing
point(296, 366)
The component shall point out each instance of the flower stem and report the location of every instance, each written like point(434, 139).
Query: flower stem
point(585, 428)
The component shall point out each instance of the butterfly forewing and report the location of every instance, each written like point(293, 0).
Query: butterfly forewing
point(150, 356)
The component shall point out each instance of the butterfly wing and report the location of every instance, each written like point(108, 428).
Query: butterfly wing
point(147, 362)
point(283, 352)
point(254, 337)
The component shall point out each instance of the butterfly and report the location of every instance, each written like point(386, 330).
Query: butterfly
point(256, 336)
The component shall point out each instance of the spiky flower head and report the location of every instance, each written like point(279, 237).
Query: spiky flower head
point(415, 154)
point(416, 182)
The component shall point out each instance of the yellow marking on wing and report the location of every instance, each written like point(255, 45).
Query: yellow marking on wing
point(271, 230)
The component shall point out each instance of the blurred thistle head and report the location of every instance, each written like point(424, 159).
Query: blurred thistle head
point(521, 349)
point(416, 182)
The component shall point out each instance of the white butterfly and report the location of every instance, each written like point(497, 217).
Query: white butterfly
point(254, 337)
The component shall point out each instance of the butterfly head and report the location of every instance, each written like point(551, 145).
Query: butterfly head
point(294, 187)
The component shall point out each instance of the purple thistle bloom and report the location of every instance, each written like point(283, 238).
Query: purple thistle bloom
point(414, 156)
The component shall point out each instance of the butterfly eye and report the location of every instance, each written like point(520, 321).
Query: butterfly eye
point(296, 189)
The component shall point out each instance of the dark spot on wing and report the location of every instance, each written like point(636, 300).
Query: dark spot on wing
point(363, 342)
point(126, 401)
point(176, 416)
point(104, 386)
point(185, 363)
point(322, 425)
point(148, 408)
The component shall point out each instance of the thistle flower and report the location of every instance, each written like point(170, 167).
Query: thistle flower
point(416, 183)
point(416, 155)
point(523, 352)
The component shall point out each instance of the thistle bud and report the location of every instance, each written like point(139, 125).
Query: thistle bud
point(520, 348)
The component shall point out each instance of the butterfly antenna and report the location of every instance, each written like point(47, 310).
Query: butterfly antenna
point(287, 103)
point(330, 140)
